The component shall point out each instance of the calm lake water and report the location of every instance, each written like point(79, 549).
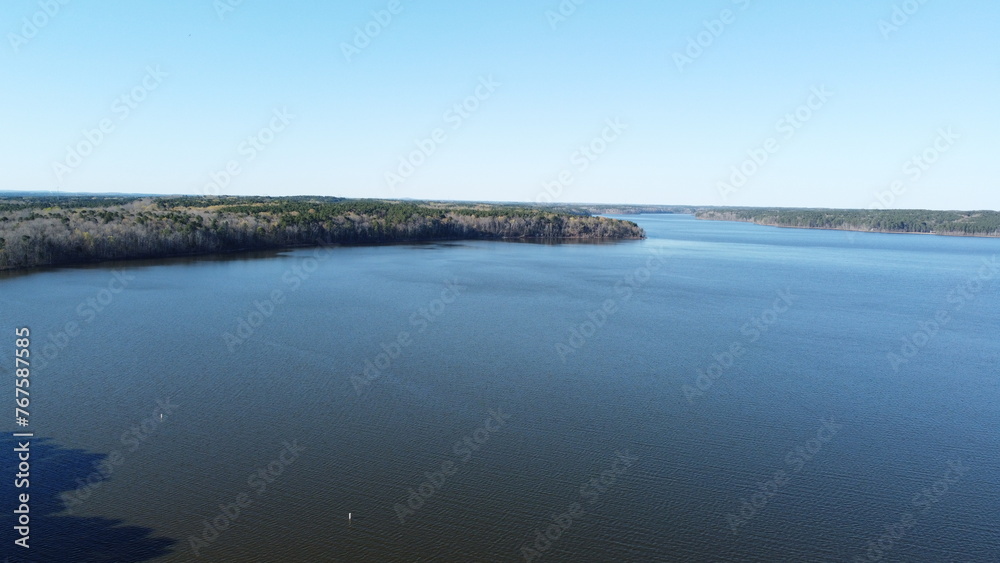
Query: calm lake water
point(717, 392)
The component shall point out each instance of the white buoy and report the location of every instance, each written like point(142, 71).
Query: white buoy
point(348, 515)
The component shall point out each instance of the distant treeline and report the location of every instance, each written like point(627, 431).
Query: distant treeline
point(964, 223)
point(621, 209)
point(39, 230)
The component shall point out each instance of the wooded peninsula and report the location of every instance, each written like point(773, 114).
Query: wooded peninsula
point(37, 230)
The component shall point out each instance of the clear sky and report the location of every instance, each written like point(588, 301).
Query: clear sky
point(669, 100)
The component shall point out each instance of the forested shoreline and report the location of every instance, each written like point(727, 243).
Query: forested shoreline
point(955, 223)
point(57, 230)
point(40, 230)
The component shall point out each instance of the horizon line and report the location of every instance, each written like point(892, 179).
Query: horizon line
point(57, 193)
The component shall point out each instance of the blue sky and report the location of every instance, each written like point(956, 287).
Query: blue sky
point(287, 98)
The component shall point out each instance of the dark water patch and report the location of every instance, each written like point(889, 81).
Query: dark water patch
point(56, 537)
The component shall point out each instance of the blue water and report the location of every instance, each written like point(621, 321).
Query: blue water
point(731, 383)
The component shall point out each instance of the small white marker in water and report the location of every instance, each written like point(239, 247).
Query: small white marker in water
point(348, 515)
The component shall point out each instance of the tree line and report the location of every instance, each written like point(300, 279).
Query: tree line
point(966, 223)
point(52, 230)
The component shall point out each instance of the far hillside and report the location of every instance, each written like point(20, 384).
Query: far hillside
point(959, 223)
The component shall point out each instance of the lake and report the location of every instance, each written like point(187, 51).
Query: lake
point(717, 392)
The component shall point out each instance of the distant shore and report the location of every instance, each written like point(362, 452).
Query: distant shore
point(852, 230)
point(981, 224)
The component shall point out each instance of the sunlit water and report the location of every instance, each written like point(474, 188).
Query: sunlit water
point(802, 440)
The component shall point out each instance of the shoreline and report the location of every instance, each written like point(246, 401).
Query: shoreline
point(848, 230)
point(234, 253)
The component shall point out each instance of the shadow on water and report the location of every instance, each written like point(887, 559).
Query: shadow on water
point(248, 255)
point(234, 256)
point(65, 538)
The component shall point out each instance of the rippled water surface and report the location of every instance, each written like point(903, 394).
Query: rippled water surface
point(717, 392)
